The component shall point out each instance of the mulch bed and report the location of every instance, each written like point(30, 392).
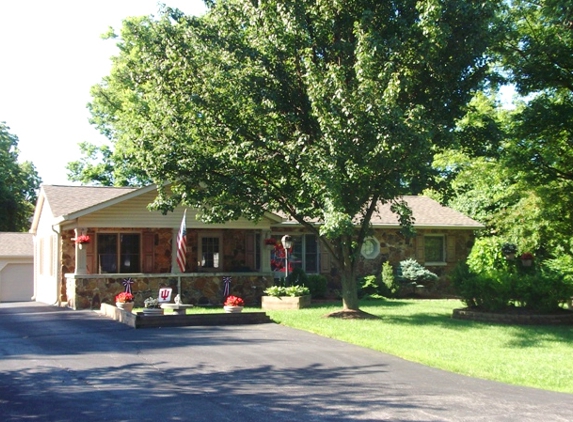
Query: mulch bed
point(516, 315)
point(351, 314)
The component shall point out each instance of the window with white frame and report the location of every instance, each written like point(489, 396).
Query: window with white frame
point(210, 252)
point(435, 249)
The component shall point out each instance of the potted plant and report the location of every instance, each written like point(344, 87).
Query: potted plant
point(233, 304)
point(526, 259)
point(124, 300)
point(281, 297)
point(509, 250)
point(152, 307)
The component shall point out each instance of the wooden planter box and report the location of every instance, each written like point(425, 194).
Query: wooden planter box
point(285, 302)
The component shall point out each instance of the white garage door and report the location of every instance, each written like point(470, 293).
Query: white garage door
point(17, 283)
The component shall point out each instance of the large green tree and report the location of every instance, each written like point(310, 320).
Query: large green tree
point(101, 166)
point(536, 54)
point(19, 183)
point(318, 109)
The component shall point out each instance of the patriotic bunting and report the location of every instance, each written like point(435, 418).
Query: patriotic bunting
point(127, 284)
point(227, 283)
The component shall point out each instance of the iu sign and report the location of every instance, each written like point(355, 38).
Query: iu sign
point(164, 295)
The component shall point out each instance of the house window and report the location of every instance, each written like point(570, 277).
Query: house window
point(434, 249)
point(119, 252)
point(210, 253)
point(304, 255)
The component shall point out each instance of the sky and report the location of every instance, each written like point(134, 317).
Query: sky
point(51, 54)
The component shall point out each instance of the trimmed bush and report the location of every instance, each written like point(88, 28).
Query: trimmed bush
point(389, 286)
point(369, 285)
point(411, 270)
point(493, 283)
point(297, 277)
point(317, 284)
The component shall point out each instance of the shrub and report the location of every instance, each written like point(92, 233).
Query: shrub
point(493, 283)
point(368, 285)
point(287, 291)
point(543, 291)
point(297, 277)
point(389, 286)
point(411, 270)
point(486, 257)
point(478, 290)
point(317, 284)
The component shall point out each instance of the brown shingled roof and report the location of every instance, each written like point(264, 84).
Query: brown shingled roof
point(64, 200)
point(16, 244)
point(427, 213)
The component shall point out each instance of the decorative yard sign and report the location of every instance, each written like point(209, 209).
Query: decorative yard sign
point(164, 294)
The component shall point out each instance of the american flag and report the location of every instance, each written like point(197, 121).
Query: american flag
point(182, 245)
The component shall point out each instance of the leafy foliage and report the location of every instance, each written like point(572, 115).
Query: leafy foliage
point(318, 110)
point(293, 291)
point(317, 284)
point(494, 283)
point(19, 183)
point(297, 277)
point(101, 166)
point(390, 285)
point(369, 285)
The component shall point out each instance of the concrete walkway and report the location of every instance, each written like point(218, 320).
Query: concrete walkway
point(64, 365)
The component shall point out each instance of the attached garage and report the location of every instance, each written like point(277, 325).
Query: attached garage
point(16, 267)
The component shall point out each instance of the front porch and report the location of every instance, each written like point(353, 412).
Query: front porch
point(89, 291)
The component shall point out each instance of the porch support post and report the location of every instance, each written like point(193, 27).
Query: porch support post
point(265, 253)
point(81, 255)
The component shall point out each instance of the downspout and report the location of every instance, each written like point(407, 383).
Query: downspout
point(58, 275)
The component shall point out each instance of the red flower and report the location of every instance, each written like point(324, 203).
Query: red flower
point(234, 301)
point(84, 238)
point(124, 297)
point(527, 256)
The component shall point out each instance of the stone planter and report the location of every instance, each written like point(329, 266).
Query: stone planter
point(126, 306)
point(233, 309)
point(285, 302)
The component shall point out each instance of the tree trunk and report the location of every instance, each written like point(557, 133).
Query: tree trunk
point(349, 291)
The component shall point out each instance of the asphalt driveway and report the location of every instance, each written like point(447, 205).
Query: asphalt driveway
point(63, 365)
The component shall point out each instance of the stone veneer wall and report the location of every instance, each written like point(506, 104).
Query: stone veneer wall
point(90, 291)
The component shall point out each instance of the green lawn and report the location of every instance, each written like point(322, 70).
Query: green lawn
point(423, 331)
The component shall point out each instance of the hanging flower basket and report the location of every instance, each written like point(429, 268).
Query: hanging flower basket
point(84, 238)
point(81, 240)
point(270, 243)
point(527, 259)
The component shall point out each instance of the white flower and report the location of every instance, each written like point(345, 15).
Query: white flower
point(151, 302)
